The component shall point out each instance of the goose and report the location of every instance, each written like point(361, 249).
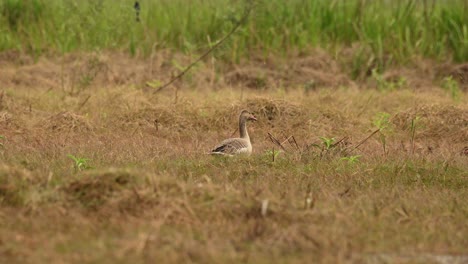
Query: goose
point(240, 145)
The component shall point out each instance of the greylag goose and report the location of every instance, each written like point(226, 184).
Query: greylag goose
point(240, 145)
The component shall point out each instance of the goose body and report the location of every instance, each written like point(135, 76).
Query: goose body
point(240, 145)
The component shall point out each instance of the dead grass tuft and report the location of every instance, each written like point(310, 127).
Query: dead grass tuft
point(457, 72)
point(93, 189)
point(66, 122)
point(273, 110)
point(157, 118)
point(316, 71)
point(14, 182)
point(5, 119)
point(253, 77)
point(436, 122)
point(9, 122)
point(308, 71)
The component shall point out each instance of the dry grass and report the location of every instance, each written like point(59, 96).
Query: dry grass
point(152, 194)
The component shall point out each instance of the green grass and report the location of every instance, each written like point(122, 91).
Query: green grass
point(385, 31)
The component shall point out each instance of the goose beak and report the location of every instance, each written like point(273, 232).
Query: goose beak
point(253, 118)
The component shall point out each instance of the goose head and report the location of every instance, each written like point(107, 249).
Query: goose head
point(248, 116)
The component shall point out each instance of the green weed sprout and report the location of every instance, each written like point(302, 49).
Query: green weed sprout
point(272, 153)
point(80, 163)
point(382, 122)
point(351, 159)
point(327, 142)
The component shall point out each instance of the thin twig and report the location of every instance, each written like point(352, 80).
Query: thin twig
point(346, 191)
point(221, 41)
point(295, 143)
point(286, 140)
point(291, 140)
point(276, 141)
point(83, 103)
point(364, 140)
point(338, 142)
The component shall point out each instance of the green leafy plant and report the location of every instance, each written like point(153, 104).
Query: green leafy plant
point(351, 159)
point(272, 153)
point(382, 122)
point(384, 85)
point(154, 83)
point(80, 163)
point(2, 138)
point(327, 142)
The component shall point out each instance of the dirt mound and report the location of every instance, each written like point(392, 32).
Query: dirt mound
point(66, 122)
point(435, 122)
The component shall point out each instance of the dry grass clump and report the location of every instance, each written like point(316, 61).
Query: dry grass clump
point(435, 121)
point(269, 112)
point(14, 182)
point(66, 122)
point(2, 103)
point(123, 177)
point(253, 77)
point(316, 71)
point(304, 70)
point(93, 189)
point(5, 119)
point(171, 118)
point(184, 117)
point(273, 110)
point(457, 72)
point(9, 123)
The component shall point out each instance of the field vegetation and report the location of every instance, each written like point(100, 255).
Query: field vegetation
point(360, 151)
point(386, 31)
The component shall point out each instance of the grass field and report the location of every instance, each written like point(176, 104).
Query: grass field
point(367, 99)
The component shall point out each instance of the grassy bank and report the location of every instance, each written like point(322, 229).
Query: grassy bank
point(387, 31)
point(123, 177)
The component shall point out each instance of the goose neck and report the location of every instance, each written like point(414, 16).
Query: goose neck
point(243, 128)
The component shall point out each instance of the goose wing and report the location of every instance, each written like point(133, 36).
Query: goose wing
point(232, 146)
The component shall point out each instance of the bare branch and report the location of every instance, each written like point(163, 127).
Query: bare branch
point(215, 46)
